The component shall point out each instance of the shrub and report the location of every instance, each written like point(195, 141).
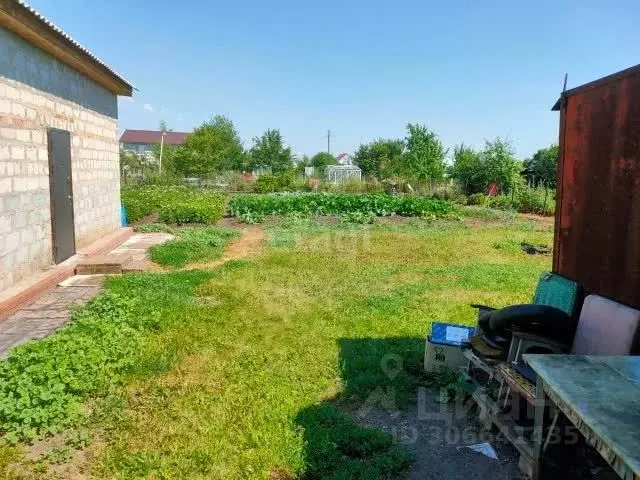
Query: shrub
point(477, 199)
point(282, 182)
point(535, 200)
point(337, 204)
point(501, 202)
point(526, 200)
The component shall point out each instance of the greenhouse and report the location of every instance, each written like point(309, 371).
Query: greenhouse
point(340, 174)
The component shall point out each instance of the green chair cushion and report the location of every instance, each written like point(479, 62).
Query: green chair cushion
point(559, 292)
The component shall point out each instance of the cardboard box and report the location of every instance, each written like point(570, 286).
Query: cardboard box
point(443, 348)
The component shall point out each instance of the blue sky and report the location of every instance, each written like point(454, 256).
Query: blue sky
point(468, 70)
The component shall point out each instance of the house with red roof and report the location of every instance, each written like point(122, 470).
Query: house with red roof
point(143, 142)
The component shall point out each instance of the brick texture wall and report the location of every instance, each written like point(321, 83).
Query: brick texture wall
point(26, 113)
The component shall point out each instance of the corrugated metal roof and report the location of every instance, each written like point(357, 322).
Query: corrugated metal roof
point(152, 137)
point(61, 33)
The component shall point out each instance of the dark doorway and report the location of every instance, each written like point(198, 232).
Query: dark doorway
point(61, 189)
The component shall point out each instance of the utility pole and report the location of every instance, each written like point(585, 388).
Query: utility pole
point(161, 148)
point(328, 141)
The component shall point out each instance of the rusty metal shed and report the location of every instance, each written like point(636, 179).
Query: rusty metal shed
point(597, 233)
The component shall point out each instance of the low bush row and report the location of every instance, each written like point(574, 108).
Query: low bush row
point(525, 200)
point(174, 204)
point(337, 204)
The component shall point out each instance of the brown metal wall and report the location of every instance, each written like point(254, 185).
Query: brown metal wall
point(598, 215)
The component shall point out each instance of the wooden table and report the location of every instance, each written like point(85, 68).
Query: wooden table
point(600, 395)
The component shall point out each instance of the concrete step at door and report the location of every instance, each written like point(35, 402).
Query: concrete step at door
point(103, 264)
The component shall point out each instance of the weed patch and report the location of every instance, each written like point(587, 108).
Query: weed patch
point(43, 384)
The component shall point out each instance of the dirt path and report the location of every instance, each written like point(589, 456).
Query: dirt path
point(251, 243)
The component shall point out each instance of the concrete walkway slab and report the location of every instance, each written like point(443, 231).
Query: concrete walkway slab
point(83, 281)
point(136, 248)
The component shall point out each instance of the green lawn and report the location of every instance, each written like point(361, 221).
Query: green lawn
point(246, 365)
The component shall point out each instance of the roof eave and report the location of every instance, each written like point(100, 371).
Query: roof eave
point(28, 24)
point(635, 70)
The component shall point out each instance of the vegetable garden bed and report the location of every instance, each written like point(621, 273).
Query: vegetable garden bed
point(338, 204)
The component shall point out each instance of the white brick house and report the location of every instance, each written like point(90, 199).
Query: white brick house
point(59, 161)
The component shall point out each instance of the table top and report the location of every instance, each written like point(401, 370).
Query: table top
point(604, 391)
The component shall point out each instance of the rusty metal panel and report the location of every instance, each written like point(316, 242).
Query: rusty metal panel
point(598, 216)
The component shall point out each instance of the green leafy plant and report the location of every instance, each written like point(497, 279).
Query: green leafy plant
point(424, 157)
point(193, 211)
point(175, 204)
point(477, 199)
point(525, 199)
point(336, 204)
point(379, 158)
point(269, 152)
point(542, 167)
point(494, 164)
point(251, 218)
point(501, 202)
point(320, 161)
point(60, 454)
point(42, 384)
point(282, 182)
point(214, 146)
point(538, 200)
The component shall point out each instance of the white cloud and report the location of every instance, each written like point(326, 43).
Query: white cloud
point(180, 117)
point(129, 99)
point(148, 107)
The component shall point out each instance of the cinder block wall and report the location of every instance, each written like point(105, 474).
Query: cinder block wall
point(38, 92)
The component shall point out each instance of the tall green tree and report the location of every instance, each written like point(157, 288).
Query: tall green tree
point(500, 164)
point(215, 146)
point(131, 164)
point(320, 161)
point(269, 152)
point(424, 156)
point(164, 127)
point(542, 167)
point(379, 158)
point(173, 158)
point(468, 169)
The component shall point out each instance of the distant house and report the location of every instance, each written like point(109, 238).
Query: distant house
point(344, 159)
point(143, 142)
point(59, 163)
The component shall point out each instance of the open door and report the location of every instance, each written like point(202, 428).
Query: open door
point(61, 190)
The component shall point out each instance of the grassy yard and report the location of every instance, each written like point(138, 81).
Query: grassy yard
point(245, 371)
